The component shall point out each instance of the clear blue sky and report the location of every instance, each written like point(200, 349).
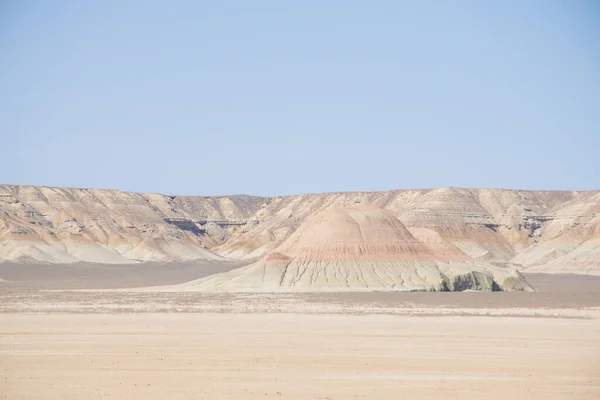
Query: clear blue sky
point(281, 97)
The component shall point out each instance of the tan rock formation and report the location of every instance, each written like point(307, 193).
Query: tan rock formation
point(554, 231)
point(569, 238)
point(361, 248)
point(54, 225)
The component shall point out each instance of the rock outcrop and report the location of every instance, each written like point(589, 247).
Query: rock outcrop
point(54, 225)
point(551, 231)
point(362, 248)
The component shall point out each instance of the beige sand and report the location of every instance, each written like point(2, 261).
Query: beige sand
point(105, 276)
point(208, 356)
point(495, 345)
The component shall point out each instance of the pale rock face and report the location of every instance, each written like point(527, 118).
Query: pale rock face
point(53, 225)
point(361, 248)
point(549, 231)
point(569, 240)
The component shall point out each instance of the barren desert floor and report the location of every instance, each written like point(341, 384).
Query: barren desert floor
point(295, 356)
point(123, 345)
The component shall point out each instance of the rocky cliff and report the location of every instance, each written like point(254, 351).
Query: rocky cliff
point(553, 231)
point(362, 248)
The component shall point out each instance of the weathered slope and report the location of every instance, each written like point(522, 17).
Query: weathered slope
point(361, 248)
point(281, 216)
point(515, 212)
point(489, 224)
point(42, 224)
point(458, 217)
point(569, 239)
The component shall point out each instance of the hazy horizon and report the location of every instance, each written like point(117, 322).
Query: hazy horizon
point(272, 99)
point(305, 193)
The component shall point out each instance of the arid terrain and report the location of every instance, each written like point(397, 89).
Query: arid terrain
point(453, 293)
point(549, 231)
point(89, 343)
point(300, 200)
point(295, 356)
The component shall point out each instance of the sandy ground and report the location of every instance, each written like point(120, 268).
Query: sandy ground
point(123, 345)
point(101, 276)
point(208, 356)
point(22, 293)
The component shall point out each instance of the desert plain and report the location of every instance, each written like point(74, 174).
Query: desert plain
point(61, 337)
